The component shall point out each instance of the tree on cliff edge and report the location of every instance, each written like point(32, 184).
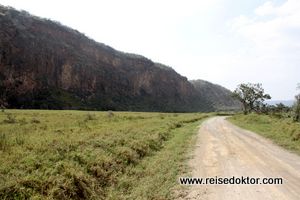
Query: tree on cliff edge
point(252, 96)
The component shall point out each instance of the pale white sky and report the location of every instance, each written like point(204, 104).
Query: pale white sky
point(227, 42)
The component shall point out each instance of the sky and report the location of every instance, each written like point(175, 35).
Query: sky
point(226, 42)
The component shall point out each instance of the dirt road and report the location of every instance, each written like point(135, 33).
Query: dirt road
point(225, 150)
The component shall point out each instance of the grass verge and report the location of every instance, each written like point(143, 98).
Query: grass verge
point(282, 131)
point(156, 176)
point(91, 155)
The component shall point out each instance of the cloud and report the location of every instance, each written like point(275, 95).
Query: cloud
point(269, 46)
point(266, 9)
point(273, 28)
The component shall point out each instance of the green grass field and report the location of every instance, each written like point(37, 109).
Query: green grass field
point(92, 155)
point(282, 131)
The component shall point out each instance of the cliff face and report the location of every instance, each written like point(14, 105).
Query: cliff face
point(46, 65)
point(219, 97)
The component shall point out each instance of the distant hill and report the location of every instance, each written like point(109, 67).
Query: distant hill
point(45, 65)
point(285, 102)
point(219, 96)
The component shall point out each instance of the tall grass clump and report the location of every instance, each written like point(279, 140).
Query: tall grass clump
point(3, 142)
point(10, 118)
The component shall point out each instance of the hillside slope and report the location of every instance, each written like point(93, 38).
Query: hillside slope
point(46, 65)
point(219, 96)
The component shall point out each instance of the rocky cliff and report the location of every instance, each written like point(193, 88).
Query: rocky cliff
point(49, 66)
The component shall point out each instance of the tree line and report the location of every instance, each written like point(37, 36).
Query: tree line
point(252, 97)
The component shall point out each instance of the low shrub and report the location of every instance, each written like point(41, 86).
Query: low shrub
point(10, 118)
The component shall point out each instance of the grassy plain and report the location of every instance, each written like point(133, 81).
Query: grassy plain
point(92, 155)
point(282, 131)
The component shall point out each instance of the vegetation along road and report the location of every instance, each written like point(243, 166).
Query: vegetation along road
point(92, 155)
point(225, 150)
